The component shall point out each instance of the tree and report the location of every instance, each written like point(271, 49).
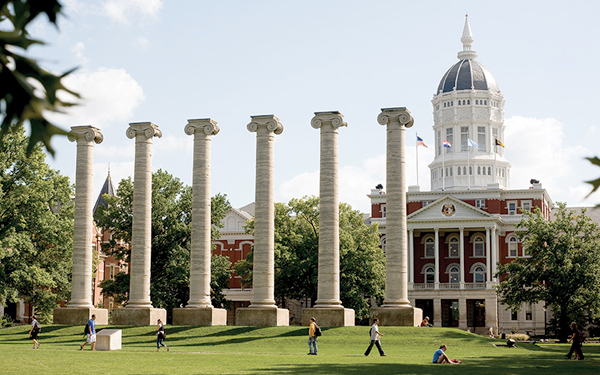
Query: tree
point(171, 239)
point(562, 267)
point(27, 90)
point(36, 227)
point(362, 262)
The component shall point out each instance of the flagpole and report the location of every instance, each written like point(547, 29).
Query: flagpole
point(495, 164)
point(469, 166)
point(443, 167)
point(417, 152)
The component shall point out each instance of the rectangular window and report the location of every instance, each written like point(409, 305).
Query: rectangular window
point(526, 206)
point(383, 210)
point(112, 272)
point(478, 249)
point(425, 203)
point(512, 207)
point(481, 138)
point(439, 142)
point(429, 250)
point(513, 248)
point(480, 203)
point(464, 134)
point(449, 138)
point(453, 247)
point(514, 315)
point(529, 312)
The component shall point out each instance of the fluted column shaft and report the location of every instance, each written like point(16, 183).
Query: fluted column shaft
point(141, 233)
point(396, 282)
point(81, 288)
point(328, 290)
point(263, 280)
point(200, 256)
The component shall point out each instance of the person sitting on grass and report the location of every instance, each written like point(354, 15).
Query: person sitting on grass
point(440, 357)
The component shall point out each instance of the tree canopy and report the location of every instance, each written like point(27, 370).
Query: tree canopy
point(36, 227)
point(562, 267)
point(362, 262)
point(171, 240)
point(27, 89)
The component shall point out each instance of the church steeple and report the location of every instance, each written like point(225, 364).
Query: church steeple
point(107, 188)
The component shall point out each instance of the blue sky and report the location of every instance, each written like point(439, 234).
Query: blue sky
point(169, 61)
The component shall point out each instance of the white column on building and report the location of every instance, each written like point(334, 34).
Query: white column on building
point(328, 287)
point(488, 246)
point(411, 258)
point(437, 258)
point(495, 256)
point(81, 284)
point(141, 234)
point(263, 279)
point(200, 255)
point(396, 283)
point(462, 257)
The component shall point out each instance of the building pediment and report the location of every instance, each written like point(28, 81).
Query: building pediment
point(235, 220)
point(449, 208)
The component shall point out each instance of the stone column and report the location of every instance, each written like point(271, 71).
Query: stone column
point(488, 265)
point(262, 310)
point(436, 277)
point(462, 313)
point(328, 310)
point(199, 310)
point(411, 258)
point(139, 309)
point(80, 306)
point(396, 309)
point(462, 258)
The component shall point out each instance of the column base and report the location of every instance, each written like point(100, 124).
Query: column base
point(199, 316)
point(329, 317)
point(406, 316)
point(261, 316)
point(79, 315)
point(137, 316)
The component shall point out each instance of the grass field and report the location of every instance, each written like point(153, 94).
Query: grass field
point(277, 350)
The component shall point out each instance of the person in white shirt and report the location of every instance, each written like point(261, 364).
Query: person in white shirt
point(375, 339)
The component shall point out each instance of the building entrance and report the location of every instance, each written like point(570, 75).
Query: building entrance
point(449, 313)
point(476, 313)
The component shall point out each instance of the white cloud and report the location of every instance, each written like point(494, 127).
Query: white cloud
point(124, 10)
point(77, 50)
point(537, 149)
point(107, 95)
point(142, 43)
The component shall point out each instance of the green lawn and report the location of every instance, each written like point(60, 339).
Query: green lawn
point(275, 350)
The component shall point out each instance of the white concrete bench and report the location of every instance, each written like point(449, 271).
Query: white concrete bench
point(109, 339)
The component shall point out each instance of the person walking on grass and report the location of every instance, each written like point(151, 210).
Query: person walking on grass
point(91, 333)
point(312, 337)
point(34, 331)
point(577, 339)
point(160, 336)
point(375, 339)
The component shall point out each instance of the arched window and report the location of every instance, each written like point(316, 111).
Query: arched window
point(429, 248)
point(513, 247)
point(478, 246)
point(383, 242)
point(465, 171)
point(429, 273)
point(479, 274)
point(469, 102)
point(476, 101)
point(454, 274)
point(470, 170)
point(458, 171)
point(453, 247)
point(478, 170)
point(489, 171)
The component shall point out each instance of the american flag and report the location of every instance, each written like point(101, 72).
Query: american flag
point(420, 142)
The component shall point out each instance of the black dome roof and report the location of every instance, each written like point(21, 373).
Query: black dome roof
point(467, 74)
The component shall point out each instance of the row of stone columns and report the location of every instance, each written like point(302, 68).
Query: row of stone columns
point(263, 310)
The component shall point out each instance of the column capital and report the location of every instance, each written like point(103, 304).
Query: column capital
point(271, 123)
point(146, 128)
point(400, 115)
point(334, 117)
point(87, 132)
point(206, 125)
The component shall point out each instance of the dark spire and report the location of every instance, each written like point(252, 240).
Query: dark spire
point(108, 188)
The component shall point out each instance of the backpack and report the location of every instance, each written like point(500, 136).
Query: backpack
point(580, 337)
point(371, 331)
point(318, 331)
point(86, 330)
point(36, 327)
